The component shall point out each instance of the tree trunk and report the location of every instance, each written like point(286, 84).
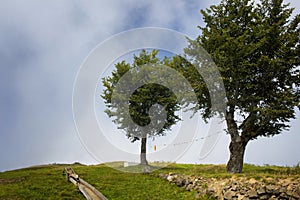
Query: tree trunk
point(237, 145)
point(236, 160)
point(143, 151)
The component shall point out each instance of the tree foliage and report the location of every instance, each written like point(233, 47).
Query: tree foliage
point(255, 46)
point(141, 100)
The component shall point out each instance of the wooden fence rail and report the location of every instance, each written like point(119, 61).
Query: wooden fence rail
point(90, 192)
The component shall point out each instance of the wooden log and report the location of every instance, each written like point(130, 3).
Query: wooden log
point(85, 188)
point(99, 194)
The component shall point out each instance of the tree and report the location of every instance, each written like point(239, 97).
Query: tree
point(255, 46)
point(150, 105)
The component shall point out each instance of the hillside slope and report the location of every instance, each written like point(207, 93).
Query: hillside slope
point(47, 182)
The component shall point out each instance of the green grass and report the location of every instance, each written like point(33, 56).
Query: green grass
point(37, 183)
point(115, 184)
point(219, 171)
point(47, 182)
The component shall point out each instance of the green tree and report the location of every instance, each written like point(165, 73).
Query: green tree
point(255, 46)
point(149, 105)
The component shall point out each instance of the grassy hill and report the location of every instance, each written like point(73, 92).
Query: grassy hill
point(47, 182)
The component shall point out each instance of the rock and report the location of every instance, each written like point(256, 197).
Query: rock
point(285, 184)
point(252, 194)
point(194, 181)
point(210, 191)
point(264, 197)
point(289, 192)
point(284, 196)
point(245, 198)
point(184, 181)
point(243, 191)
point(200, 190)
point(235, 188)
point(170, 178)
point(273, 197)
point(189, 187)
point(162, 176)
point(276, 191)
point(239, 188)
point(179, 182)
point(240, 197)
point(229, 194)
point(296, 193)
point(223, 183)
point(282, 190)
point(270, 189)
point(252, 181)
point(227, 187)
point(261, 190)
point(233, 182)
point(290, 187)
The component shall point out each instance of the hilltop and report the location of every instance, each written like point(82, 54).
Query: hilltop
point(177, 181)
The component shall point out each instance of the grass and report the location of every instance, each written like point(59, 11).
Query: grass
point(47, 182)
point(36, 183)
point(219, 171)
point(115, 184)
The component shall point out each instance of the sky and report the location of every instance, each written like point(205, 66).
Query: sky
point(43, 45)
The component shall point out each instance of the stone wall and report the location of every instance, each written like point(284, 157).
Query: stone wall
point(240, 188)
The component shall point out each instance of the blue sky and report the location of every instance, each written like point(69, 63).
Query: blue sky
point(43, 44)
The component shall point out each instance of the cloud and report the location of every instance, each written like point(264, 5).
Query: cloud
point(42, 47)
